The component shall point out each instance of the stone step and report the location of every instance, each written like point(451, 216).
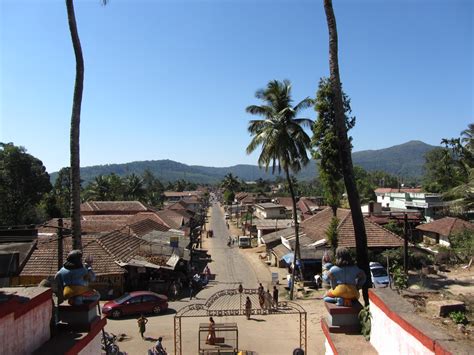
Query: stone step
point(333, 308)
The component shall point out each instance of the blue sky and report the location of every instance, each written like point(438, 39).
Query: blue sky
point(171, 79)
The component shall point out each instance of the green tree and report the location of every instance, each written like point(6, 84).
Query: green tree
point(325, 142)
point(365, 185)
point(153, 189)
point(228, 197)
point(62, 192)
point(23, 183)
point(99, 189)
point(345, 150)
point(230, 183)
point(331, 234)
point(282, 137)
point(134, 190)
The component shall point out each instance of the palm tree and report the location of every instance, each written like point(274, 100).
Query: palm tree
point(230, 182)
point(134, 189)
point(75, 127)
point(282, 137)
point(345, 151)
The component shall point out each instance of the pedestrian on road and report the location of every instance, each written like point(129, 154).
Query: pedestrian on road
point(142, 321)
point(158, 349)
point(268, 300)
point(261, 296)
point(191, 289)
point(275, 297)
point(248, 307)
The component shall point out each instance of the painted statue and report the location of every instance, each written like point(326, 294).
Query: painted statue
point(74, 279)
point(345, 278)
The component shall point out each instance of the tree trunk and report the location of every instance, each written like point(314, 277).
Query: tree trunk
point(75, 129)
point(345, 151)
point(297, 255)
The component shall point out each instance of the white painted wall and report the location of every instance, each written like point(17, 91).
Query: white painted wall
point(26, 333)
point(93, 346)
point(387, 337)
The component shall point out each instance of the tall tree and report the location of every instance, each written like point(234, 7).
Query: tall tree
point(134, 190)
point(283, 139)
point(23, 183)
point(231, 183)
point(345, 150)
point(75, 129)
point(325, 142)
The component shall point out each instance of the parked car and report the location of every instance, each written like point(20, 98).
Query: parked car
point(244, 241)
point(379, 275)
point(134, 303)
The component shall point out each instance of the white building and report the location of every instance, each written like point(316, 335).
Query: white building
point(430, 204)
point(270, 210)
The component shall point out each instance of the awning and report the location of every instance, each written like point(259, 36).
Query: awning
point(288, 258)
point(138, 263)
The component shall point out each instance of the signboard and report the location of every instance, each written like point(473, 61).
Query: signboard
point(174, 241)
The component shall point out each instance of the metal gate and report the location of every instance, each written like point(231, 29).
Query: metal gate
point(229, 303)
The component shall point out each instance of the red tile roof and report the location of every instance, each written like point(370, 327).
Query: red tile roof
point(446, 226)
point(44, 260)
point(124, 207)
point(171, 218)
point(146, 226)
point(315, 227)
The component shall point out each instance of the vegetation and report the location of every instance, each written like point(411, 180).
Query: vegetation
point(458, 317)
point(462, 244)
point(365, 320)
point(282, 137)
point(400, 279)
point(344, 150)
point(450, 170)
point(331, 234)
point(325, 142)
point(23, 183)
point(416, 260)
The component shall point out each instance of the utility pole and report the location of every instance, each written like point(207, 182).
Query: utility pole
point(60, 243)
point(405, 243)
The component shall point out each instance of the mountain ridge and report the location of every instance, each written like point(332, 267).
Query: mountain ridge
point(406, 159)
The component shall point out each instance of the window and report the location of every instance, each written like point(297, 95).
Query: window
point(135, 300)
point(148, 298)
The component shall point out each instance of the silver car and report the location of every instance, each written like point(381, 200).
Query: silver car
point(379, 275)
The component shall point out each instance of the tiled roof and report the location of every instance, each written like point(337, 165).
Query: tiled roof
point(182, 193)
point(44, 260)
point(446, 226)
point(315, 227)
point(121, 246)
point(146, 226)
point(148, 215)
point(90, 224)
point(280, 251)
point(171, 218)
point(284, 201)
point(304, 240)
point(113, 206)
point(385, 190)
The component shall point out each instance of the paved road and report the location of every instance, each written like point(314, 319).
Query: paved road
point(273, 335)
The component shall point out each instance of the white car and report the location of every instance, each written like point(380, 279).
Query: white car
point(379, 275)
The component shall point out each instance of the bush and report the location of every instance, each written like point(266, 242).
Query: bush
point(463, 244)
point(416, 259)
point(458, 317)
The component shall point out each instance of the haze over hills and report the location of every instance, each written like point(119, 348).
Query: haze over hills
point(403, 160)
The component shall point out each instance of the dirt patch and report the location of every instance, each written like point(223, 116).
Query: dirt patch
point(451, 284)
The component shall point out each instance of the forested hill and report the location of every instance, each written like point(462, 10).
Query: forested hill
point(405, 160)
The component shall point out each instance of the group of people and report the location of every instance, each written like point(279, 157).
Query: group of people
point(266, 300)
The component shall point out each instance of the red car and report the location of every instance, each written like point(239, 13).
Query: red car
point(136, 302)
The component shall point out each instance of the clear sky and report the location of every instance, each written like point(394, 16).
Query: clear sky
point(171, 79)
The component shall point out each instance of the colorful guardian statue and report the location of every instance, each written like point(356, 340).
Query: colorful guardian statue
point(345, 278)
point(74, 279)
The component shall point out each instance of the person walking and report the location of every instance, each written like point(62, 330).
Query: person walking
point(211, 335)
point(268, 300)
point(159, 349)
point(275, 297)
point(248, 307)
point(261, 295)
point(142, 321)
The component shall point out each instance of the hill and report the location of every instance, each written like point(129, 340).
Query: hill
point(404, 160)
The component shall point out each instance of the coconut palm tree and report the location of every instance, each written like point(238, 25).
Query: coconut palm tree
point(282, 137)
point(75, 127)
point(230, 182)
point(345, 150)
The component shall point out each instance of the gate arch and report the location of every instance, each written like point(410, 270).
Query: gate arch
point(228, 302)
